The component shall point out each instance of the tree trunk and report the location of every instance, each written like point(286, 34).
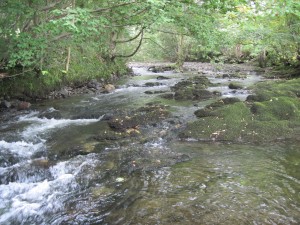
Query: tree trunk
point(238, 51)
point(180, 53)
point(69, 48)
point(262, 59)
point(113, 45)
point(68, 59)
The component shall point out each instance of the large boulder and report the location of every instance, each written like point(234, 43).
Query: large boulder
point(23, 105)
point(5, 104)
point(108, 88)
point(94, 84)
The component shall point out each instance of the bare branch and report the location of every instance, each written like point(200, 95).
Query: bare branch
point(133, 38)
point(3, 76)
point(63, 35)
point(135, 51)
point(156, 44)
point(48, 7)
point(170, 32)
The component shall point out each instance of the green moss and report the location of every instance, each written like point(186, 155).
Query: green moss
point(281, 108)
point(228, 125)
point(35, 85)
point(263, 131)
point(277, 118)
point(290, 88)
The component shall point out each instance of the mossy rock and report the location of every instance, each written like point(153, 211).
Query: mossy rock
point(235, 86)
point(154, 92)
point(184, 94)
point(203, 80)
point(258, 98)
point(143, 116)
point(262, 122)
point(204, 113)
point(152, 84)
point(222, 102)
point(163, 78)
point(167, 95)
point(200, 94)
point(265, 131)
point(197, 82)
point(234, 75)
point(161, 69)
point(193, 89)
point(226, 125)
point(232, 100)
point(181, 85)
point(281, 108)
point(290, 88)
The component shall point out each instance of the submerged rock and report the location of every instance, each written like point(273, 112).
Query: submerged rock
point(152, 84)
point(162, 78)
point(235, 86)
point(51, 115)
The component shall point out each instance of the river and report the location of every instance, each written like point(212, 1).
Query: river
point(52, 170)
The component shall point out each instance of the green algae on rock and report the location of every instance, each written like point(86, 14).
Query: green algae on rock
point(275, 116)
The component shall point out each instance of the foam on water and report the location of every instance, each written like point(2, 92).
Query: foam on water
point(22, 201)
point(27, 199)
point(40, 126)
point(20, 148)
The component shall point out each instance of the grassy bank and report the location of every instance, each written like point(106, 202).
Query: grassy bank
point(37, 85)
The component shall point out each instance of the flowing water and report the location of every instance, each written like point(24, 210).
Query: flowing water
point(53, 172)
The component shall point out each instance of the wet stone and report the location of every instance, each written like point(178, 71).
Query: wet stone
point(8, 159)
point(152, 84)
point(235, 86)
point(257, 98)
point(51, 115)
point(204, 113)
point(162, 78)
point(154, 92)
point(160, 69)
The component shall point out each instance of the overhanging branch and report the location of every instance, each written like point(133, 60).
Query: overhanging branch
point(170, 32)
point(135, 51)
point(133, 38)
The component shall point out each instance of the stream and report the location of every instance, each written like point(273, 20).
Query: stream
point(52, 170)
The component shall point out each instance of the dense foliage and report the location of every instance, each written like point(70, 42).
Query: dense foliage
point(52, 42)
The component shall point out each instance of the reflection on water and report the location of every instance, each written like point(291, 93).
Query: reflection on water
point(222, 184)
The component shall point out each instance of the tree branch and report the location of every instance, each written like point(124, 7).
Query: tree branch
point(133, 38)
point(48, 7)
point(135, 51)
point(63, 35)
point(170, 32)
point(132, 15)
point(112, 7)
point(156, 44)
